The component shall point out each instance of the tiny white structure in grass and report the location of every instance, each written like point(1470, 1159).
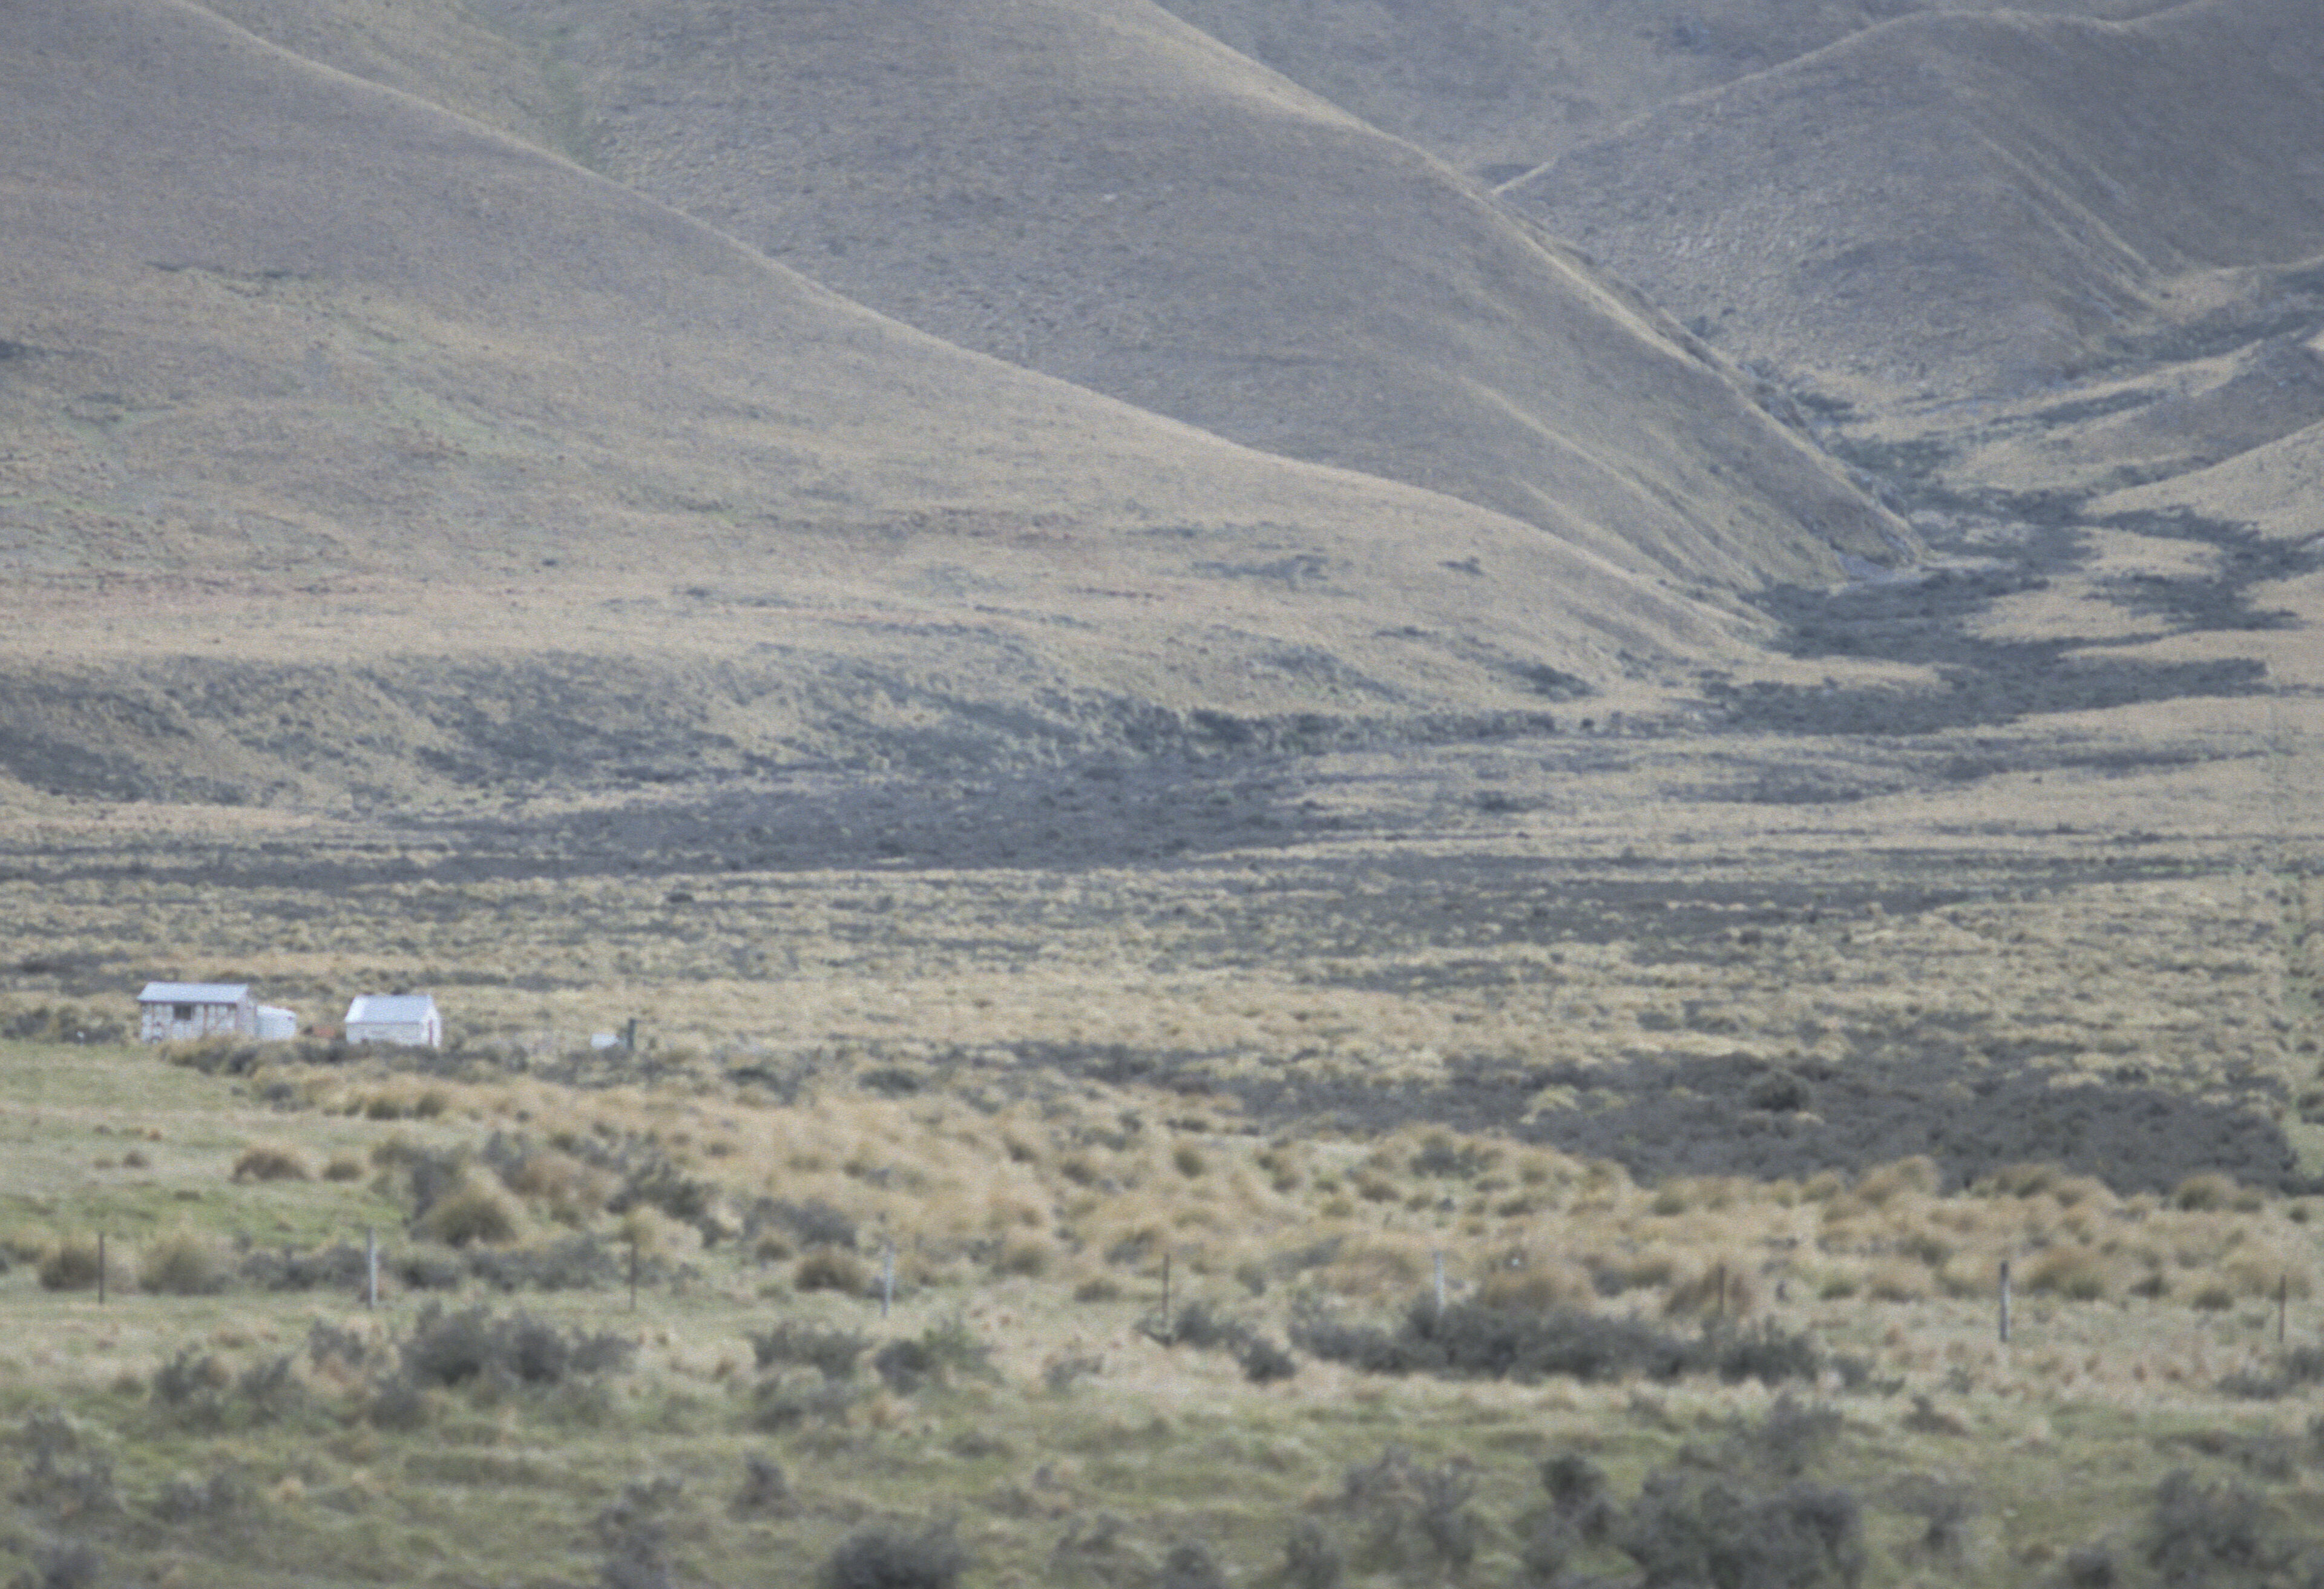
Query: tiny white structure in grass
point(409, 1019)
point(276, 1024)
point(184, 1012)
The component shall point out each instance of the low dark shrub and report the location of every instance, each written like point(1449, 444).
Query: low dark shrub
point(340, 1267)
point(1190, 1565)
point(580, 1262)
point(450, 1349)
point(188, 1501)
point(191, 1384)
point(2091, 1566)
point(270, 1388)
point(1689, 1531)
point(904, 1366)
point(2200, 1534)
point(765, 1487)
point(426, 1269)
point(1200, 1325)
point(1471, 1339)
point(1410, 1514)
point(61, 1476)
point(1789, 1441)
point(777, 1405)
point(634, 1531)
point(941, 1354)
point(63, 1565)
point(1264, 1362)
point(884, 1556)
point(830, 1353)
point(396, 1404)
point(1309, 1559)
point(2301, 1366)
point(1765, 1353)
point(330, 1345)
point(1579, 1498)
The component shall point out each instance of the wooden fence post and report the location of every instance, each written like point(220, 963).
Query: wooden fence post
point(371, 1267)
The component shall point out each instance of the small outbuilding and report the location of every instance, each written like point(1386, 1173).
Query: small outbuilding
point(408, 1019)
point(184, 1012)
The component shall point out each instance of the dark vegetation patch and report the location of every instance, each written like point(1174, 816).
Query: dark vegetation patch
point(1928, 622)
point(1474, 1340)
point(2222, 599)
point(1972, 1107)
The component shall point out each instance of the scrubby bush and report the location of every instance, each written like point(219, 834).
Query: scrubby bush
point(1309, 1559)
point(885, 1557)
point(450, 1349)
point(1470, 1339)
point(1413, 1515)
point(1692, 1531)
point(63, 1563)
point(830, 1353)
point(940, 1353)
point(2200, 1534)
point(765, 1487)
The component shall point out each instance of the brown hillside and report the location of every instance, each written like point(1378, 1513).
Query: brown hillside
point(302, 380)
point(1094, 190)
point(1963, 205)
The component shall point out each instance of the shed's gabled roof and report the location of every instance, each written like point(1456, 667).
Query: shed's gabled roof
point(390, 1008)
point(194, 992)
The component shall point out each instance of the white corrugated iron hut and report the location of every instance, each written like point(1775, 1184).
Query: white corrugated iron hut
point(182, 1011)
point(276, 1024)
point(409, 1019)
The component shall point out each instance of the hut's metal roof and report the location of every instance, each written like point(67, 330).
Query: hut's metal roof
point(194, 992)
point(390, 1008)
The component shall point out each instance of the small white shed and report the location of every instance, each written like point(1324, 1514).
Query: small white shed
point(409, 1019)
point(182, 1011)
point(276, 1024)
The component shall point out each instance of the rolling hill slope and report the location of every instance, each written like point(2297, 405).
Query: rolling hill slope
point(353, 446)
point(1962, 206)
point(1497, 86)
point(1094, 190)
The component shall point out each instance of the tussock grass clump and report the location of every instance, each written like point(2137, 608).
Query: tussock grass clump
point(185, 1263)
point(272, 1161)
point(2078, 1274)
point(831, 1268)
point(72, 1265)
point(479, 1210)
